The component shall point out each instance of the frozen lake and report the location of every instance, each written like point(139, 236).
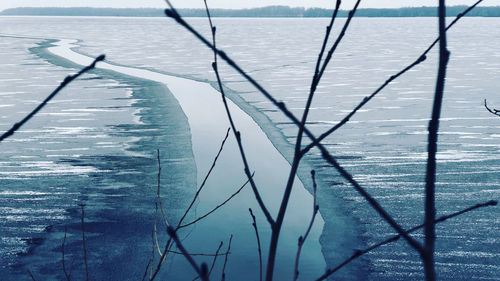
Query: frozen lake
point(106, 137)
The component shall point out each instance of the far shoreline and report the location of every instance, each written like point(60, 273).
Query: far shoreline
point(262, 12)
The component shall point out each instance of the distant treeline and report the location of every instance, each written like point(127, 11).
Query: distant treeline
point(270, 11)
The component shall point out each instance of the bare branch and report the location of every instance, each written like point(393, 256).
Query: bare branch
point(201, 271)
point(215, 258)
point(61, 86)
point(146, 271)
point(213, 261)
point(325, 41)
point(216, 208)
point(394, 238)
point(302, 239)
point(155, 234)
point(225, 259)
point(337, 42)
point(200, 255)
point(68, 276)
point(492, 110)
point(154, 242)
point(165, 221)
point(205, 179)
point(430, 178)
point(31, 275)
point(254, 224)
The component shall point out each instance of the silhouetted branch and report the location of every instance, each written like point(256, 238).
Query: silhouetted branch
point(146, 271)
point(394, 238)
point(492, 110)
point(223, 278)
point(155, 234)
point(84, 245)
point(205, 179)
point(254, 224)
point(430, 179)
point(302, 239)
point(165, 221)
point(31, 275)
point(325, 41)
point(66, 274)
point(237, 133)
point(201, 271)
point(63, 84)
point(215, 259)
point(420, 59)
point(337, 42)
point(216, 208)
point(199, 255)
point(154, 242)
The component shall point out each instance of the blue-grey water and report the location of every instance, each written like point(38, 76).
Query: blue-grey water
point(91, 148)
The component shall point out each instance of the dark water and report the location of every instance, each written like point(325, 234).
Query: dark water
point(95, 145)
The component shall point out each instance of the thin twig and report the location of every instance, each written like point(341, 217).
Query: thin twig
point(213, 261)
point(154, 242)
point(337, 42)
point(492, 110)
point(68, 276)
point(254, 224)
point(204, 180)
point(84, 246)
point(302, 239)
point(394, 238)
point(146, 271)
point(223, 278)
point(325, 41)
point(165, 221)
point(236, 133)
point(194, 255)
point(419, 60)
point(217, 207)
point(201, 271)
point(63, 84)
point(215, 258)
point(155, 232)
point(71, 266)
point(31, 275)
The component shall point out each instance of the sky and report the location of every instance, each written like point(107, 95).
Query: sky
point(231, 4)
